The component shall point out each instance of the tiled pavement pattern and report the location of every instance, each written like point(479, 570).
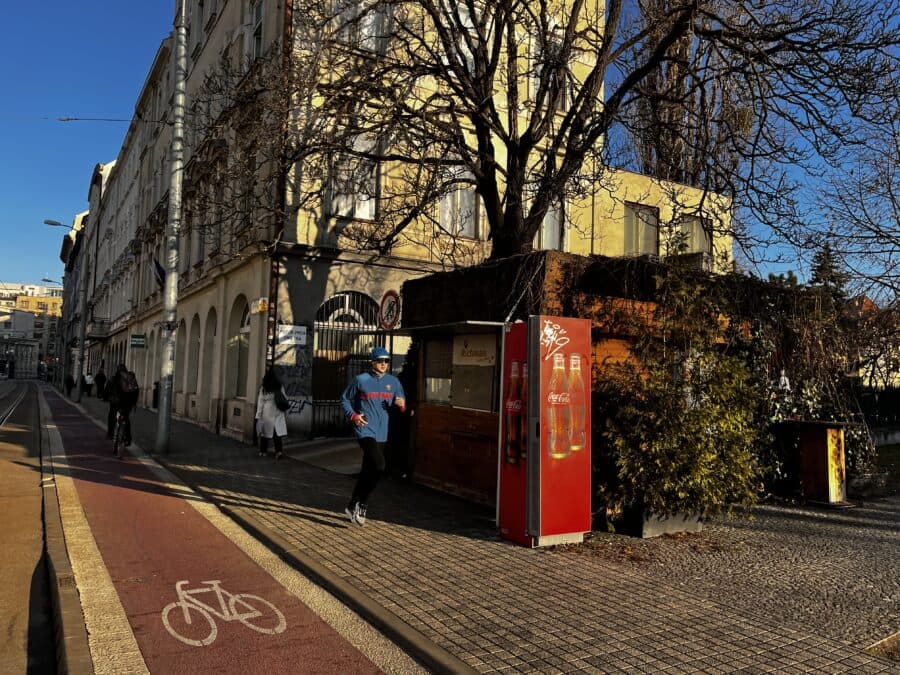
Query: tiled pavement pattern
point(435, 562)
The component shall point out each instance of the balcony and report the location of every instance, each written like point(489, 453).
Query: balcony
point(98, 329)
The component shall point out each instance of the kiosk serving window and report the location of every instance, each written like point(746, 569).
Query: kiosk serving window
point(438, 369)
point(462, 371)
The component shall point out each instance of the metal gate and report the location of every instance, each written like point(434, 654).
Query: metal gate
point(344, 334)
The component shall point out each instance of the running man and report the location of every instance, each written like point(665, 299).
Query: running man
point(366, 402)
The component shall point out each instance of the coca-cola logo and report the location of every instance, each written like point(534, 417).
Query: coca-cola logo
point(558, 398)
point(514, 406)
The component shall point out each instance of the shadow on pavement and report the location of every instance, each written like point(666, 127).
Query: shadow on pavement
point(41, 649)
point(232, 474)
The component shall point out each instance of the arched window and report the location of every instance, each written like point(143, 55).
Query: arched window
point(349, 308)
point(238, 349)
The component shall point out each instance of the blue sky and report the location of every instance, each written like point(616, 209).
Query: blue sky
point(64, 59)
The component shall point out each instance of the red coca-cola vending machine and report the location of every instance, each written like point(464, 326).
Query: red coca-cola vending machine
point(544, 479)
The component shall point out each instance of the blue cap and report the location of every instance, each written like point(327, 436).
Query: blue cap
point(380, 353)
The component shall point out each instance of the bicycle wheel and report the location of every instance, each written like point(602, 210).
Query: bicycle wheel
point(119, 439)
point(258, 614)
point(191, 631)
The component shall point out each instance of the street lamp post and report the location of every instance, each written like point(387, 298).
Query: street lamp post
point(170, 290)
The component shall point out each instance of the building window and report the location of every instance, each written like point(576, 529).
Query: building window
point(355, 185)
point(238, 351)
point(209, 14)
point(374, 29)
point(256, 28)
point(363, 27)
point(248, 198)
point(460, 209)
point(545, 56)
point(694, 235)
point(550, 236)
point(641, 230)
point(467, 26)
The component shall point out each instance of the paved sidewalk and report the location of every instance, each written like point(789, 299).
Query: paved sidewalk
point(434, 563)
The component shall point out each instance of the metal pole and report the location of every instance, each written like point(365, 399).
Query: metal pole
point(82, 326)
point(173, 232)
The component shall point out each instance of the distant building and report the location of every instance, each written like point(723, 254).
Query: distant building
point(47, 311)
point(13, 290)
point(19, 350)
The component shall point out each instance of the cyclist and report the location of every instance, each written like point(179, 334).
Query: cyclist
point(122, 391)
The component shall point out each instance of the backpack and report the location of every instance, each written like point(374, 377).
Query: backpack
point(128, 382)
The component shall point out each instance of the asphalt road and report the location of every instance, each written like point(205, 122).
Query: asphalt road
point(26, 637)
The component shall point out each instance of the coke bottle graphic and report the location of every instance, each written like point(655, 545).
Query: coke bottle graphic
point(513, 414)
point(523, 418)
point(578, 400)
point(558, 410)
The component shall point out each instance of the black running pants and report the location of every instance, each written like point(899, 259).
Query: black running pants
point(372, 468)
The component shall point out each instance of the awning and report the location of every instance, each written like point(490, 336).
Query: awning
point(455, 328)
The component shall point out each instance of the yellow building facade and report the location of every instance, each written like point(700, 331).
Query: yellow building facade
point(40, 305)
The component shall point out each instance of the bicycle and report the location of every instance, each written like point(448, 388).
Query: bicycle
point(264, 617)
point(119, 435)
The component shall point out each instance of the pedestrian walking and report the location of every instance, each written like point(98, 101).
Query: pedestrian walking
point(100, 381)
point(70, 385)
point(88, 384)
point(366, 402)
point(122, 391)
point(271, 405)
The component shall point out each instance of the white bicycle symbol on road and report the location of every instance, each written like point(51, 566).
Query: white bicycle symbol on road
point(188, 624)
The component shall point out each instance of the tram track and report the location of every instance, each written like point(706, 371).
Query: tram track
point(10, 401)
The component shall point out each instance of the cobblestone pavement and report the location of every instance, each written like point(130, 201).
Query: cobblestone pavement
point(435, 562)
point(834, 572)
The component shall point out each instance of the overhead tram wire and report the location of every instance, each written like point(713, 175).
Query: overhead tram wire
point(106, 119)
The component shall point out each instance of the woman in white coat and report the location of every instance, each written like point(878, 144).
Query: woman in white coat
point(270, 422)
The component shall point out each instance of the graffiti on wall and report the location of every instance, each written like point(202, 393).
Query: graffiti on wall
point(294, 369)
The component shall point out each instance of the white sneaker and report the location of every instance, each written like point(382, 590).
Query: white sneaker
point(360, 515)
point(351, 513)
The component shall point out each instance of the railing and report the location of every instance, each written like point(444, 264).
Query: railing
point(97, 329)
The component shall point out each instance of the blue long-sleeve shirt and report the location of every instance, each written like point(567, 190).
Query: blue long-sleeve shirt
point(371, 395)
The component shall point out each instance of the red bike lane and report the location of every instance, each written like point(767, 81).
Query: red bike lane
point(153, 542)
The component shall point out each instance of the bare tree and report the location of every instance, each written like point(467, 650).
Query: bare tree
point(781, 106)
point(380, 113)
point(858, 204)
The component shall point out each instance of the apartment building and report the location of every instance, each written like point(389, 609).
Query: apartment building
point(280, 256)
point(12, 290)
point(72, 297)
point(19, 349)
point(36, 320)
point(47, 311)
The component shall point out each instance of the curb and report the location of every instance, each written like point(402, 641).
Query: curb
point(429, 654)
point(72, 651)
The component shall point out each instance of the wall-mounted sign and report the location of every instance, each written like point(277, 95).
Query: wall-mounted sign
point(138, 341)
point(389, 310)
point(292, 335)
point(260, 306)
point(475, 350)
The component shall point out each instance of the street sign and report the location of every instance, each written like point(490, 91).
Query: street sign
point(139, 341)
point(292, 335)
point(389, 310)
